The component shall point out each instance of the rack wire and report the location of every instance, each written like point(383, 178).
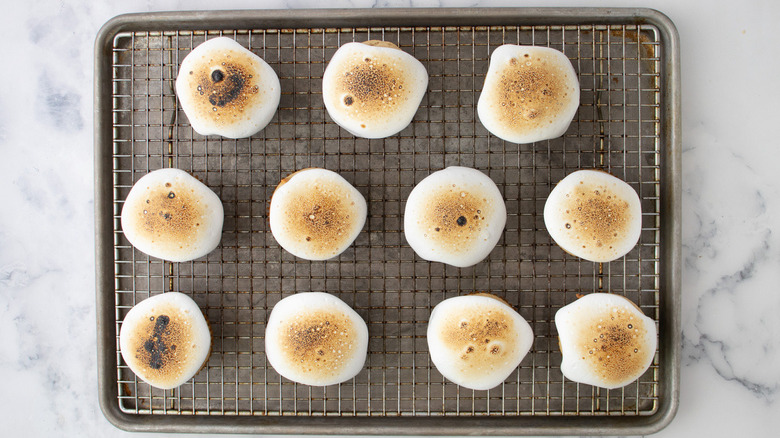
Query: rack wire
point(617, 129)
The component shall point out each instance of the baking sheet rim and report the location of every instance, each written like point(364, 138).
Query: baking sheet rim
point(670, 272)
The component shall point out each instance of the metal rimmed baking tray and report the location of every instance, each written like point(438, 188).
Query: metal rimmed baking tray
point(628, 123)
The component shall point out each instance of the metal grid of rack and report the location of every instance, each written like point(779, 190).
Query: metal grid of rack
point(616, 129)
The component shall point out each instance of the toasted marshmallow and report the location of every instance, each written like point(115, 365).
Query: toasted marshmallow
point(373, 89)
point(477, 340)
point(605, 340)
point(530, 94)
point(594, 215)
point(227, 90)
point(454, 216)
point(316, 339)
point(316, 214)
point(171, 215)
point(165, 340)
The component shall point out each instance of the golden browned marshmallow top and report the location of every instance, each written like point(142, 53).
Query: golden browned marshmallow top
point(371, 85)
point(316, 339)
point(456, 218)
point(318, 343)
point(614, 345)
point(373, 89)
point(161, 345)
point(165, 340)
point(477, 340)
point(316, 214)
point(533, 89)
point(605, 340)
point(530, 94)
point(228, 85)
point(600, 215)
point(171, 215)
point(227, 90)
point(480, 336)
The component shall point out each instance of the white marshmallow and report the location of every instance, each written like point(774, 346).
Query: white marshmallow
point(316, 339)
point(605, 340)
point(315, 214)
point(227, 90)
point(594, 215)
point(171, 215)
point(373, 89)
point(165, 340)
point(530, 94)
point(454, 216)
point(477, 340)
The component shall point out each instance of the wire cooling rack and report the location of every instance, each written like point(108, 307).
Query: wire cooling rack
point(618, 128)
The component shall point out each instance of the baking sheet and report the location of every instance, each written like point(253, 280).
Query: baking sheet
point(627, 124)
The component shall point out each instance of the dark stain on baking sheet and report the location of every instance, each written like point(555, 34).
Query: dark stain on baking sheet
point(638, 38)
point(647, 49)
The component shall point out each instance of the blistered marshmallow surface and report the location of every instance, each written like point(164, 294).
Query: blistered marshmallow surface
point(227, 90)
point(373, 89)
point(605, 340)
point(530, 94)
point(316, 339)
point(454, 216)
point(171, 215)
point(477, 341)
point(594, 215)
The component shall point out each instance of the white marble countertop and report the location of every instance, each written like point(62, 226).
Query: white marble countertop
point(731, 245)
